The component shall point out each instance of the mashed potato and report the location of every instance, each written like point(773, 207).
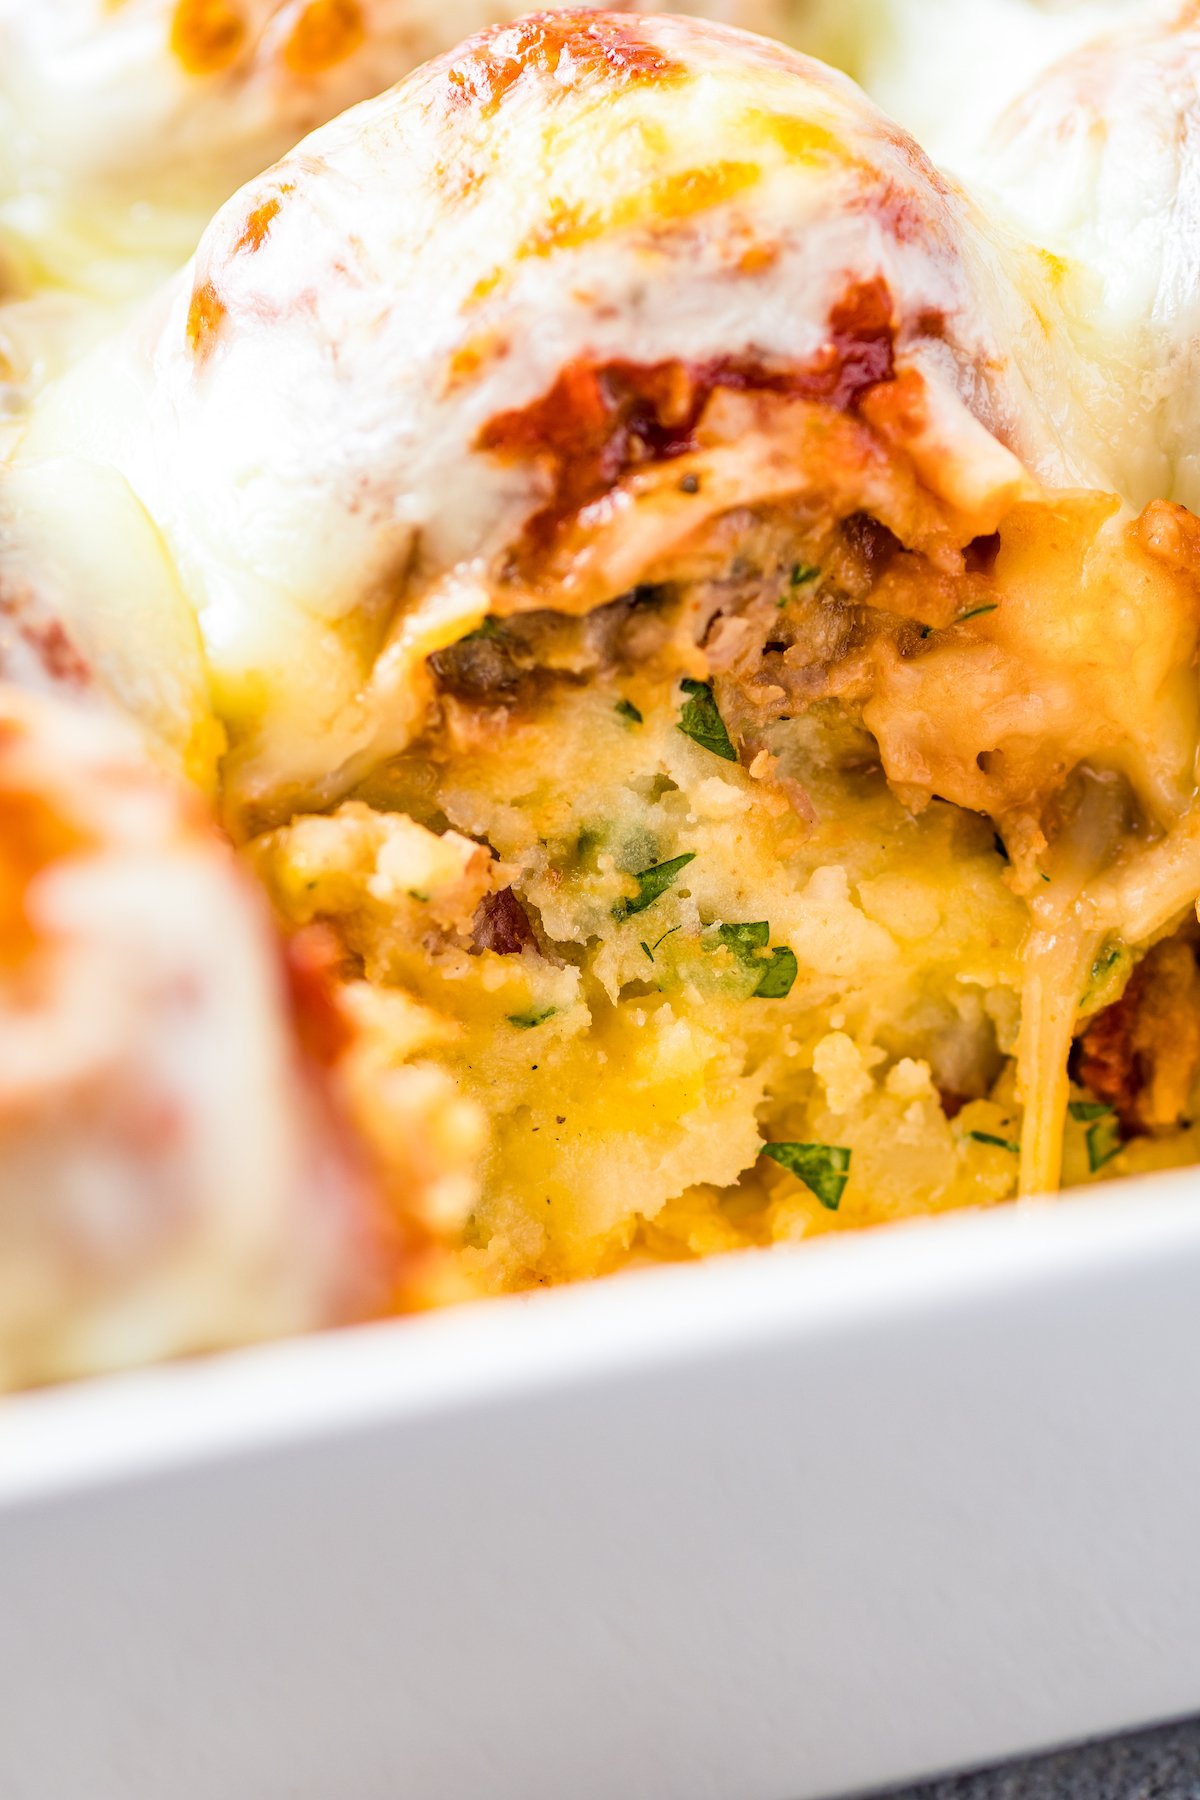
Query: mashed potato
point(635, 1048)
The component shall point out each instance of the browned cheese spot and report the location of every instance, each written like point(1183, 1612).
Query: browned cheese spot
point(326, 33)
point(207, 36)
point(258, 224)
point(205, 317)
point(576, 49)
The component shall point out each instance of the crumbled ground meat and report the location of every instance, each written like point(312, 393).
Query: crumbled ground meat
point(870, 541)
point(479, 668)
point(502, 924)
point(1142, 1054)
point(789, 618)
point(507, 662)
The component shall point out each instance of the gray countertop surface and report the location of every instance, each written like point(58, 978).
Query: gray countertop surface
point(1163, 1764)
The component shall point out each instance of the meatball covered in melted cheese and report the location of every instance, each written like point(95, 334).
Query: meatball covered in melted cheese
point(429, 365)
point(1100, 162)
point(173, 1173)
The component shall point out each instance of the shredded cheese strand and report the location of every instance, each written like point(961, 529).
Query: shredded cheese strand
point(1057, 962)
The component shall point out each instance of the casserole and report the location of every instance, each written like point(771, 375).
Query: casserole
point(615, 477)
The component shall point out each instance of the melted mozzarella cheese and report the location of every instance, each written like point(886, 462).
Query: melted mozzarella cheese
point(1100, 162)
point(944, 68)
point(100, 583)
point(123, 126)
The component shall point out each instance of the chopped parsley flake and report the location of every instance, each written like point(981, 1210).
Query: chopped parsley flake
point(997, 1143)
point(776, 973)
point(743, 940)
point(701, 721)
point(1110, 958)
point(1103, 1141)
point(1088, 1109)
point(977, 612)
point(489, 628)
point(666, 934)
point(1104, 962)
point(651, 883)
point(527, 1020)
point(823, 1168)
point(802, 572)
point(629, 711)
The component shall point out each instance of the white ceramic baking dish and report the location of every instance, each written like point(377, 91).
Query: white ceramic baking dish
point(773, 1527)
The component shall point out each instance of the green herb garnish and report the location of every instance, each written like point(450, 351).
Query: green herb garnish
point(744, 940)
point(801, 572)
point(1103, 1141)
point(823, 1168)
point(1110, 958)
point(998, 1143)
point(701, 721)
point(488, 628)
point(1088, 1109)
point(629, 711)
point(1103, 1136)
point(977, 612)
point(651, 883)
point(527, 1020)
point(666, 934)
point(1104, 962)
point(776, 973)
